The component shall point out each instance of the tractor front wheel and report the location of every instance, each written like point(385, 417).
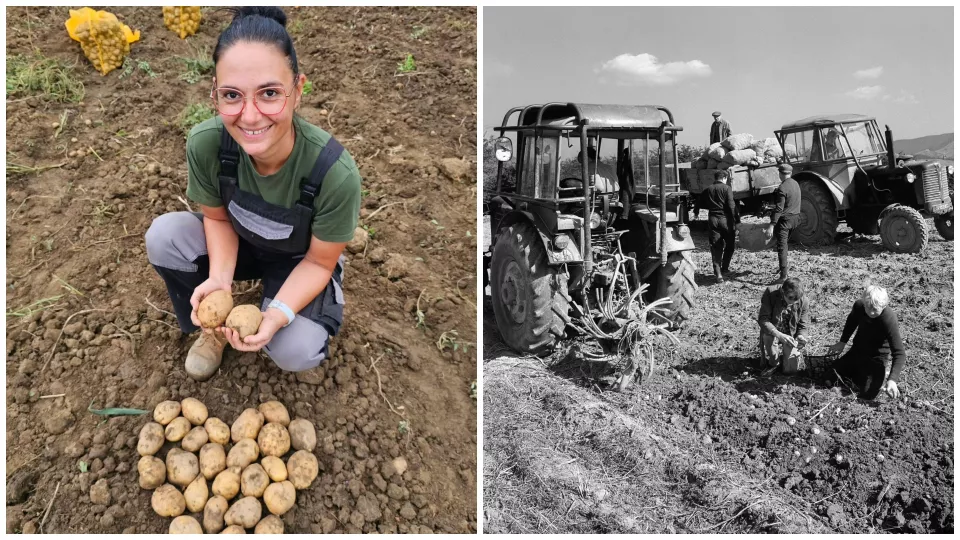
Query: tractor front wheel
point(903, 230)
point(818, 216)
point(944, 224)
point(676, 282)
point(531, 303)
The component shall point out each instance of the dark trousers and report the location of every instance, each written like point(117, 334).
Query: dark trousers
point(866, 371)
point(722, 241)
point(785, 225)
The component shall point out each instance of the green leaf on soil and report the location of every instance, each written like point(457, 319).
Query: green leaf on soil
point(83, 466)
point(116, 411)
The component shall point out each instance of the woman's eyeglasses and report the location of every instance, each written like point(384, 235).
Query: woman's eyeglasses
point(270, 100)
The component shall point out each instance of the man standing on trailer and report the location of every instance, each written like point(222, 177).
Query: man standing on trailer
point(720, 129)
point(786, 215)
point(717, 200)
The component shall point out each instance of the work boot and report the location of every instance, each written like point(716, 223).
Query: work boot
point(205, 355)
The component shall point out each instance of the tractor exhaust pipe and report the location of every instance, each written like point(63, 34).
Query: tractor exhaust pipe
point(890, 156)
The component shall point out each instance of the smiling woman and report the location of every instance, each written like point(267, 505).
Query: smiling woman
point(279, 199)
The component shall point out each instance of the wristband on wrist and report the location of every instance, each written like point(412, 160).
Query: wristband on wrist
point(285, 309)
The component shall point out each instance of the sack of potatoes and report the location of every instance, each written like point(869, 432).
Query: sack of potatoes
point(182, 20)
point(234, 477)
point(105, 41)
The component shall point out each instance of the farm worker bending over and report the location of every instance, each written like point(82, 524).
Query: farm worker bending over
point(786, 215)
point(717, 199)
point(720, 129)
point(279, 199)
point(877, 337)
point(782, 319)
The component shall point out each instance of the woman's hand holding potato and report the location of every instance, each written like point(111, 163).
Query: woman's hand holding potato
point(273, 320)
point(209, 286)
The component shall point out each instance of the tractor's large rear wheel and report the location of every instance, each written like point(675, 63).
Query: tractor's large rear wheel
point(676, 282)
point(818, 215)
point(530, 298)
point(944, 224)
point(903, 230)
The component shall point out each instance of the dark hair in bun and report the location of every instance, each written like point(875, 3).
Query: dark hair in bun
point(258, 25)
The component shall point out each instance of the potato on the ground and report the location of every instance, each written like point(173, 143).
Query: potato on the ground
point(166, 411)
point(303, 436)
point(185, 525)
point(153, 473)
point(217, 430)
point(196, 494)
point(213, 460)
point(246, 512)
point(269, 525)
point(195, 439)
point(177, 429)
point(254, 480)
point(182, 467)
point(194, 410)
point(245, 320)
point(302, 469)
point(280, 497)
point(275, 467)
point(167, 501)
point(245, 452)
point(213, 513)
point(234, 529)
point(214, 308)
point(274, 440)
point(274, 411)
point(247, 425)
point(151, 439)
point(227, 483)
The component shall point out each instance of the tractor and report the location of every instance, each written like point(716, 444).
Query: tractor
point(600, 258)
point(847, 171)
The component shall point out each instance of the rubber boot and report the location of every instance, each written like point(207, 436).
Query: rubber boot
point(718, 273)
point(203, 358)
point(783, 275)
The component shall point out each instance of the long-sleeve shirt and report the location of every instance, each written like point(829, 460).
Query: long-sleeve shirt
point(719, 131)
point(777, 315)
point(788, 200)
point(717, 199)
point(876, 337)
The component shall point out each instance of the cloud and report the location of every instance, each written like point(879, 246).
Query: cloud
point(871, 73)
point(496, 68)
point(865, 92)
point(905, 97)
point(645, 70)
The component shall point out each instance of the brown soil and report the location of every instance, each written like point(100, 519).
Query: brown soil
point(705, 446)
point(83, 225)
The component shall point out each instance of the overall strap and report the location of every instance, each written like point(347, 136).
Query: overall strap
point(229, 155)
point(327, 158)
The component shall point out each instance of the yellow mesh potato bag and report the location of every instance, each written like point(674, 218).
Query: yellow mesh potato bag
point(182, 20)
point(105, 41)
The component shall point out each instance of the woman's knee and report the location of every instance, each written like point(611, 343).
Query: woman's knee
point(300, 347)
point(175, 240)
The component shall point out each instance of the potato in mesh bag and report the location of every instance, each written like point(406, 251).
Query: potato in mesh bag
point(182, 20)
point(105, 41)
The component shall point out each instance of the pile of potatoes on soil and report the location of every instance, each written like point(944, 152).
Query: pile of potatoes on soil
point(226, 481)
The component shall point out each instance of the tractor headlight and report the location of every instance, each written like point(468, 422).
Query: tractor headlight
point(950, 169)
point(561, 242)
point(911, 177)
point(594, 220)
point(684, 232)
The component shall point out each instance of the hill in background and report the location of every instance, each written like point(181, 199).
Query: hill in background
point(931, 146)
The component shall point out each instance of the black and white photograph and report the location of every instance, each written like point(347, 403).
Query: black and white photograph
point(717, 270)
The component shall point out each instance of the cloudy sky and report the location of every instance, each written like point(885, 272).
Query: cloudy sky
point(761, 67)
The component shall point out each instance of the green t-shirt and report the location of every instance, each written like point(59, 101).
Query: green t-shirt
point(335, 209)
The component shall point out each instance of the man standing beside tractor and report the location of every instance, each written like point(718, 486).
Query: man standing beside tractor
point(786, 215)
point(717, 199)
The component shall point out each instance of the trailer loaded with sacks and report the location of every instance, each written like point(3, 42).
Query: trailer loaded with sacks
point(847, 171)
